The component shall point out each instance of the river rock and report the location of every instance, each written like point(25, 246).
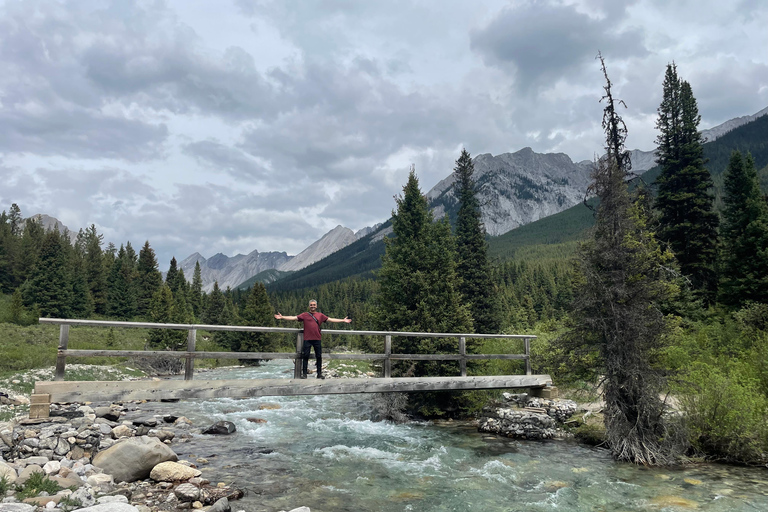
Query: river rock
point(221, 428)
point(17, 507)
point(134, 458)
point(187, 493)
point(8, 473)
point(221, 505)
point(122, 431)
point(173, 472)
point(109, 507)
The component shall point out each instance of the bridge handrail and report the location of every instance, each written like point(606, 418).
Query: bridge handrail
point(191, 354)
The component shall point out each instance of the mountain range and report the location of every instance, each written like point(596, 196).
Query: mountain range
point(514, 189)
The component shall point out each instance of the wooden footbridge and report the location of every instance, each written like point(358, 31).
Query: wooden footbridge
point(61, 391)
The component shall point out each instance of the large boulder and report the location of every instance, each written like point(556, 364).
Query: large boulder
point(134, 458)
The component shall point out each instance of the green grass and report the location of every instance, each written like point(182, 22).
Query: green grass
point(4, 487)
point(37, 484)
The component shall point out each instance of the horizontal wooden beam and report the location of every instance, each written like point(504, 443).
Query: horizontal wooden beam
point(119, 391)
point(238, 328)
point(277, 355)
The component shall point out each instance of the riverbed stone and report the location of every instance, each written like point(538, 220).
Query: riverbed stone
point(187, 493)
point(8, 473)
point(122, 431)
point(173, 472)
point(110, 507)
point(134, 458)
point(17, 507)
point(221, 428)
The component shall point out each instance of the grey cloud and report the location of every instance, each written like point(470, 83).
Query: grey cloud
point(79, 134)
point(542, 43)
point(226, 159)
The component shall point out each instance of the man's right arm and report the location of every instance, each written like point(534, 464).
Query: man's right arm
point(285, 317)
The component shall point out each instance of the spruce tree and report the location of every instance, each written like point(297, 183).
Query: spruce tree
point(196, 291)
point(685, 202)
point(745, 235)
point(257, 312)
point(121, 293)
point(418, 291)
point(148, 279)
point(616, 322)
point(95, 271)
point(473, 268)
point(50, 286)
point(163, 310)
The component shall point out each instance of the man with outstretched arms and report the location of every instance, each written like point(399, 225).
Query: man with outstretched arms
point(313, 321)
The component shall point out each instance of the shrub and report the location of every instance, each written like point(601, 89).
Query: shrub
point(725, 412)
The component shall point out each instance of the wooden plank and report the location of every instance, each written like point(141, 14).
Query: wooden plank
point(463, 354)
point(204, 327)
point(166, 353)
point(118, 391)
point(61, 357)
point(189, 364)
point(279, 355)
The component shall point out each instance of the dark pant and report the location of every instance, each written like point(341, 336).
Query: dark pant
point(318, 355)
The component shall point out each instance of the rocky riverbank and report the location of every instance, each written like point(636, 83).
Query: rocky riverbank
point(524, 417)
point(107, 459)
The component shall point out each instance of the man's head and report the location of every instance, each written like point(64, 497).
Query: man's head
point(313, 305)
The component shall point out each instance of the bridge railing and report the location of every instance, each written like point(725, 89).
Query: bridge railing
point(191, 353)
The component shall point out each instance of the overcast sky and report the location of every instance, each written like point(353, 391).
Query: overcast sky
point(234, 125)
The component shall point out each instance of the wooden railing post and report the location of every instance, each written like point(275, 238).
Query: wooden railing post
point(527, 356)
point(299, 350)
point(387, 354)
point(61, 358)
point(189, 366)
point(463, 354)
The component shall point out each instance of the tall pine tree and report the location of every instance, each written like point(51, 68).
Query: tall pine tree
point(50, 286)
point(685, 203)
point(616, 323)
point(148, 279)
point(473, 268)
point(419, 292)
point(745, 235)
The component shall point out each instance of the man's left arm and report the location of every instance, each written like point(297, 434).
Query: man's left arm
point(345, 320)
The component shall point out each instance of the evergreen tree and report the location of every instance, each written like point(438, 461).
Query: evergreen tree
point(148, 279)
point(7, 245)
point(418, 281)
point(50, 286)
point(617, 325)
point(745, 235)
point(257, 312)
point(473, 268)
point(121, 293)
point(163, 310)
point(688, 220)
point(418, 291)
point(26, 258)
point(215, 306)
point(196, 291)
point(95, 270)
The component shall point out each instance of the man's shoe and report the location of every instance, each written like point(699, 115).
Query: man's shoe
point(320, 376)
point(303, 376)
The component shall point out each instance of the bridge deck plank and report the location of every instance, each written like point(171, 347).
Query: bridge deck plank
point(117, 391)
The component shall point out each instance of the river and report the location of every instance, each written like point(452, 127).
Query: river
point(326, 453)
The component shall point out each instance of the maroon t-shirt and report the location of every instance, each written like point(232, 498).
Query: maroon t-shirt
point(312, 328)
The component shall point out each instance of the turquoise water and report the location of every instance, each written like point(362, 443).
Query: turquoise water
point(324, 452)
